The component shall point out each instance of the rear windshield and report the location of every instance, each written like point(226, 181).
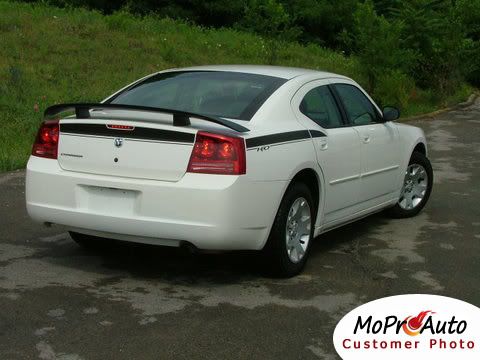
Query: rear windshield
point(219, 93)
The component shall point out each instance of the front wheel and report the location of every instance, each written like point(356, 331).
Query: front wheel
point(288, 245)
point(416, 189)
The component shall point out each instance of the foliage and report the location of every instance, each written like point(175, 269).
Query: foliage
point(269, 19)
point(442, 35)
point(435, 30)
point(467, 13)
point(404, 92)
point(435, 34)
point(322, 21)
point(376, 43)
point(429, 41)
point(51, 55)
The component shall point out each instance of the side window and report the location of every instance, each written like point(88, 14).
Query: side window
point(319, 105)
point(360, 110)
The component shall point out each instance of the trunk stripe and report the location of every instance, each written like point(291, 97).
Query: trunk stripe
point(139, 133)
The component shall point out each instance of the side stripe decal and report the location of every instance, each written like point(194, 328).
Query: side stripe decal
point(283, 137)
point(317, 133)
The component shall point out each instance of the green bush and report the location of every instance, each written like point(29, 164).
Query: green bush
point(322, 21)
point(395, 89)
point(434, 31)
point(377, 43)
point(427, 40)
point(468, 14)
point(120, 20)
point(269, 19)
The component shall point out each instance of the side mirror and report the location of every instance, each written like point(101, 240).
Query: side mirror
point(390, 113)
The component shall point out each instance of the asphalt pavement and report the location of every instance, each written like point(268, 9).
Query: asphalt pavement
point(58, 301)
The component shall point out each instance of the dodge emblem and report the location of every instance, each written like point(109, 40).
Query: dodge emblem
point(118, 142)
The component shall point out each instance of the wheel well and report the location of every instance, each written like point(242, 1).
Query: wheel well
point(420, 147)
point(309, 177)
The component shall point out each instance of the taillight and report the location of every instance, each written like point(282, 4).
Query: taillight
point(46, 142)
point(217, 154)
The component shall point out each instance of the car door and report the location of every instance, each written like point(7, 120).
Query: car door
point(337, 148)
point(379, 144)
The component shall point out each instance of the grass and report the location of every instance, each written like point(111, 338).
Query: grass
point(50, 55)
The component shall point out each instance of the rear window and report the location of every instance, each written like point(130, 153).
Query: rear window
point(219, 93)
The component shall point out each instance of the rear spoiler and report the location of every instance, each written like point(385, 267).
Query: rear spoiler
point(180, 118)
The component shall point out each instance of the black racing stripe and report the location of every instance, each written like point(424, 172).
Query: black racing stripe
point(140, 133)
point(282, 137)
point(277, 138)
point(317, 133)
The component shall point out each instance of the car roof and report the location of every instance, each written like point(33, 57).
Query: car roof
point(269, 70)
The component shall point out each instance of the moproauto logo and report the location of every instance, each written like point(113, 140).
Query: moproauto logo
point(413, 325)
point(416, 326)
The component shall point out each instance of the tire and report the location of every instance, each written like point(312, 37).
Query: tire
point(278, 255)
point(87, 241)
point(401, 208)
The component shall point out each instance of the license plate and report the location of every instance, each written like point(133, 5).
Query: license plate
point(108, 200)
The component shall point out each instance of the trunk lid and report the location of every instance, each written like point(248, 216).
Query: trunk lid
point(135, 149)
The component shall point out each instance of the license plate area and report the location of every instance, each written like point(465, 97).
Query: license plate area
point(107, 200)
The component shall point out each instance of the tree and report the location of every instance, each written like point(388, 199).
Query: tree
point(433, 31)
point(322, 21)
point(468, 14)
point(269, 19)
point(377, 43)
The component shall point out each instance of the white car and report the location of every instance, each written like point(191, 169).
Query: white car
point(226, 158)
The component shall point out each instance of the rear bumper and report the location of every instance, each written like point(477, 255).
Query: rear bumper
point(210, 211)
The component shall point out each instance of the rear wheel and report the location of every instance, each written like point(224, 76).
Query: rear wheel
point(416, 188)
point(289, 242)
